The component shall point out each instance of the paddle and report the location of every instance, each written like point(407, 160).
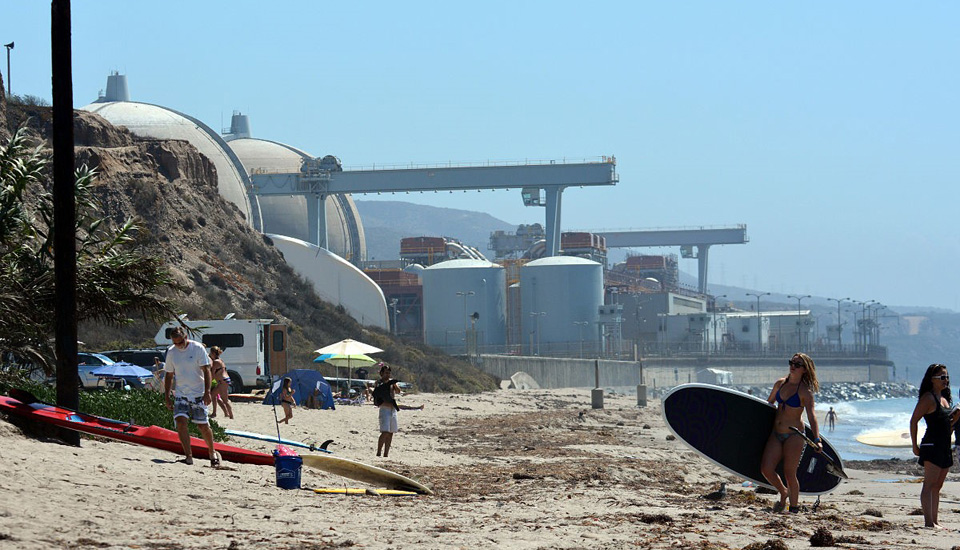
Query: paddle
point(28, 398)
point(832, 467)
point(24, 396)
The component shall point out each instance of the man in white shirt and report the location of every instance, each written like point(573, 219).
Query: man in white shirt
point(188, 360)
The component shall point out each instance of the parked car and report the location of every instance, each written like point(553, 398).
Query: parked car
point(143, 357)
point(87, 363)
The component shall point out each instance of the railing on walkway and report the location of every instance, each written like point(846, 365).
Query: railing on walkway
point(629, 350)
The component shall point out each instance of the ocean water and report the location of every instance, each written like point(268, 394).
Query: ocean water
point(873, 415)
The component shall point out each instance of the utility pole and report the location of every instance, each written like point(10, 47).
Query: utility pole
point(64, 214)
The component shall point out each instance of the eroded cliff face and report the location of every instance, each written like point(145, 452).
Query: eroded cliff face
point(221, 263)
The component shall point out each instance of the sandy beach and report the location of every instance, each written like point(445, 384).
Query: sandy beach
point(511, 469)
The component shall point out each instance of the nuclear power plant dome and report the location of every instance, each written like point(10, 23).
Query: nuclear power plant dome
point(154, 121)
point(235, 156)
point(287, 215)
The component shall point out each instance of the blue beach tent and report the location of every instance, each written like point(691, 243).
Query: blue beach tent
point(303, 382)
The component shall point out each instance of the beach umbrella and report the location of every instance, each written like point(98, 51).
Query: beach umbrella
point(121, 369)
point(347, 348)
point(356, 359)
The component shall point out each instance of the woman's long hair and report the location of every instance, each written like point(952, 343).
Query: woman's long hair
point(926, 385)
point(810, 372)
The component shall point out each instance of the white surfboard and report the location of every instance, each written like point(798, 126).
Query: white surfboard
point(892, 438)
point(366, 473)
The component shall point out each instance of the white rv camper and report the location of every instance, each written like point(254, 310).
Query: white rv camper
point(254, 350)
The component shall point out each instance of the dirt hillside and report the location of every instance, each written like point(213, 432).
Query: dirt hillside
point(223, 265)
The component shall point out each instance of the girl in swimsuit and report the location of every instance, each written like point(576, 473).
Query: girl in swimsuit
point(934, 449)
point(792, 394)
point(221, 383)
point(286, 399)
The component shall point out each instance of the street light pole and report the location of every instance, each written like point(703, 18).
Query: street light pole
point(872, 311)
point(538, 315)
point(861, 325)
point(580, 325)
point(839, 323)
point(759, 329)
point(798, 298)
point(8, 47)
point(393, 310)
point(716, 346)
point(465, 293)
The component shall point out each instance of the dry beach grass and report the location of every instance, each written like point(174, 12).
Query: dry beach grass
point(513, 469)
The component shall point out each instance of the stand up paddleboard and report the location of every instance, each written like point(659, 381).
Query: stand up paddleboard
point(274, 439)
point(366, 473)
point(730, 429)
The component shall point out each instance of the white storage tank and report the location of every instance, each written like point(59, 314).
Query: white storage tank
point(556, 293)
point(463, 301)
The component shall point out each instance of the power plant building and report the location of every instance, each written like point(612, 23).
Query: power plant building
point(556, 293)
point(464, 306)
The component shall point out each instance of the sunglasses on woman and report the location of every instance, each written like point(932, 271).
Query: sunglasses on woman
point(944, 377)
point(797, 364)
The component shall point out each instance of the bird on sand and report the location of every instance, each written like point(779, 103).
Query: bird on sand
point(717, 495)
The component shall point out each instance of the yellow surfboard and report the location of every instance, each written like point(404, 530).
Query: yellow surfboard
point(358, 471)
point(357, 491)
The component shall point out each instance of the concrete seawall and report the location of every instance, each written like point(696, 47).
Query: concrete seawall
point(551, 372)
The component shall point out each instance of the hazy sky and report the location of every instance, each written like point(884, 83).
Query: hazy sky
point(830, 129)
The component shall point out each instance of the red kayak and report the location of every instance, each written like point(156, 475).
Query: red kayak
point(151, 436)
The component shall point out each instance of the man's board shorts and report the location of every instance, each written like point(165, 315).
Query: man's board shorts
point(388, 420)
point(191, 407)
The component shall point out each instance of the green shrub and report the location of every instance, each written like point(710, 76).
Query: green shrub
point(138, 406)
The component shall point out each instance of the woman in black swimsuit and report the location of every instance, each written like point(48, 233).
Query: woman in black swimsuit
point(286, 399)
point(934, 450)
point(792, 394)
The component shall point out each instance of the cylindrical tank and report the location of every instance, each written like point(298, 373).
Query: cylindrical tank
point(555, 294)
point(463, 303)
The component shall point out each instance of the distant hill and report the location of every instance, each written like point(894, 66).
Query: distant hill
point(386, 222)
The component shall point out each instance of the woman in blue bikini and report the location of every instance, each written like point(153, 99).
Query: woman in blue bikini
point(792, 395)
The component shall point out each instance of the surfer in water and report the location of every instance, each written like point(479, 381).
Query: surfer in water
point(832, 418)
point(792, 395)
point(934, 450)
